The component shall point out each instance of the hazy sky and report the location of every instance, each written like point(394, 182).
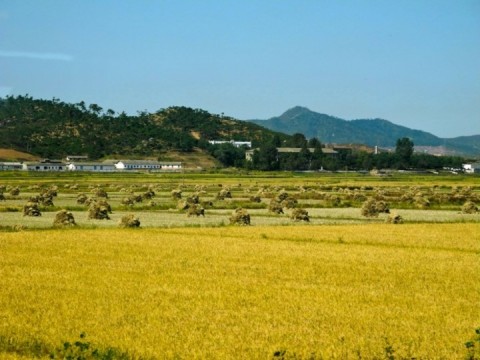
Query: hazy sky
point(413, 62)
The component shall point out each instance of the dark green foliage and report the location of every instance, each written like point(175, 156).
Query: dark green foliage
point(84, 350)
point(298, 140)
point(404, 152)
point(473, 347)
point(266, 158)
point(228, 154)
point(53, 129)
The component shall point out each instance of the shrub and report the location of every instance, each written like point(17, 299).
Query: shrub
point(83, 350)
point(469, 208)
point(473, 346)
point(299, 215)
point(15, 191)
point(240, 217)
point(31, 209)
point(2, 197)
point(129, 221)
point(64, 218)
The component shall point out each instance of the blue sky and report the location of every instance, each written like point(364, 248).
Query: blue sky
point(413, 62)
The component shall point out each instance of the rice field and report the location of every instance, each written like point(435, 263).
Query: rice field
point(237, 292)
point(342, 286)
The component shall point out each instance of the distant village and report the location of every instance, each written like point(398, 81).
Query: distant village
point(82, 163)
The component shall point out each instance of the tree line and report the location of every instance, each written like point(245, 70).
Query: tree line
point(54, 129)
point(312, 156)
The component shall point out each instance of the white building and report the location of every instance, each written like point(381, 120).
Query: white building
point(10, 166)
point(45, 165)
point(471, 168)
point(91, 166)
point(247, 144)
point(147, 165)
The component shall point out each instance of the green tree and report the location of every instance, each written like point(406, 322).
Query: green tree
point(298, 140)
point(314, 143)
point(228, 154)
point(266, 158)
point(303, 159)
point(317, 159)
point(404, 152)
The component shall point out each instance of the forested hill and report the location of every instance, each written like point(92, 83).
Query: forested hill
point(371, 132)
point(53, 129)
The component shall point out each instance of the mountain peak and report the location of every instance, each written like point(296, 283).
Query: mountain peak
point(372, 132)
point(296, 111)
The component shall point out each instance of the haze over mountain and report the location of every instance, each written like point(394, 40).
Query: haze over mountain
point(373, 132)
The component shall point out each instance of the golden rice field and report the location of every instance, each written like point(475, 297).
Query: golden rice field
point(362, 291)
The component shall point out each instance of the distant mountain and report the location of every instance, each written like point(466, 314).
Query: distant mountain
point(373, 132)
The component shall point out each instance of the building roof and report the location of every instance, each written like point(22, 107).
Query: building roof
point(45, 163)
point(297, 150)
point(82, 163)
point(9, 163)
